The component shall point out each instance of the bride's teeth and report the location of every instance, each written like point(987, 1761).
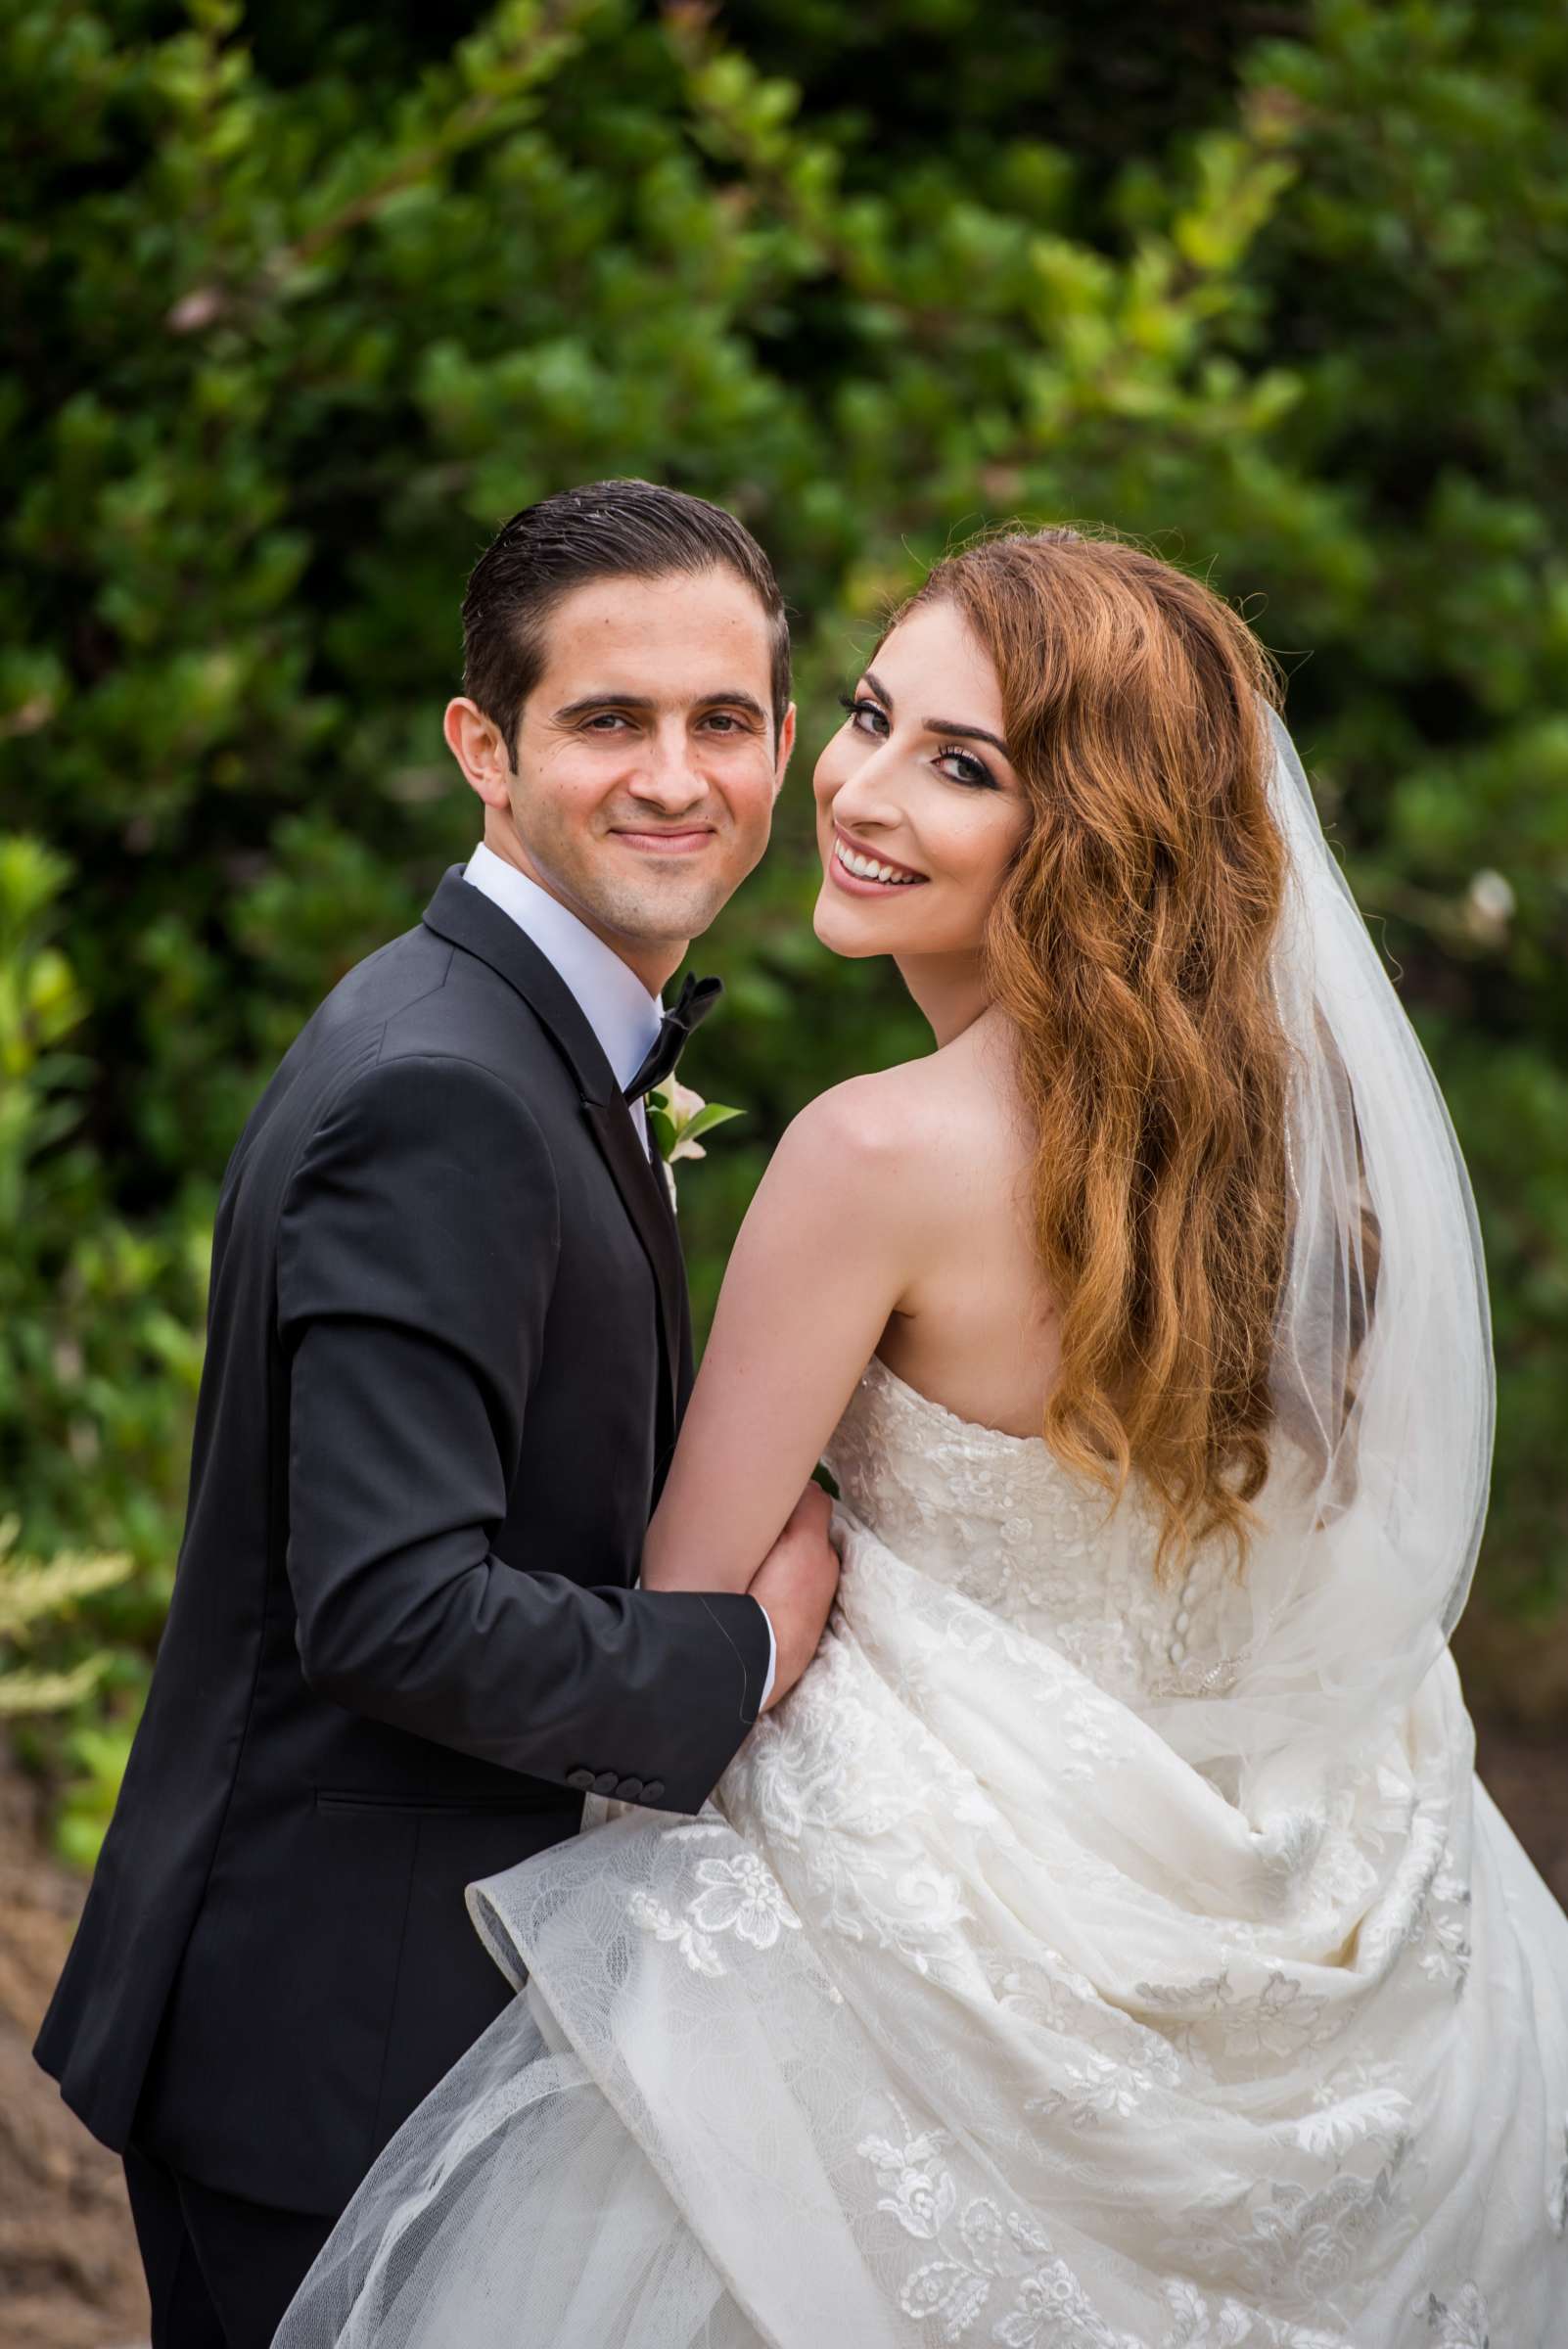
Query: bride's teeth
point(867, 868)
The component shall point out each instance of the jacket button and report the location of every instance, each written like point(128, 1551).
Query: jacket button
point(629, 1790)
point(651, 1789)
point(582, 1780)
point(605, 1782)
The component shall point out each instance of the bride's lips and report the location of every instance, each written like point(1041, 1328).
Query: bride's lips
point(866, 885)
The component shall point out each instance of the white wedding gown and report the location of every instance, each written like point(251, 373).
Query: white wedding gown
point(971, 2012)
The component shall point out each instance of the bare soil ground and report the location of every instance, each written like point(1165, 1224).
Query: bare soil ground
point(70, 2278)
point(69, 2272)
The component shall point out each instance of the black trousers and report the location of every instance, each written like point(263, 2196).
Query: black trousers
point(220, 2271)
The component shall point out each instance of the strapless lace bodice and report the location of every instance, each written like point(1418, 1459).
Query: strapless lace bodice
point(1001, 1519)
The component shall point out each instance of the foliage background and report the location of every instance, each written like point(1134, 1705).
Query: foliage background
point(303, 299)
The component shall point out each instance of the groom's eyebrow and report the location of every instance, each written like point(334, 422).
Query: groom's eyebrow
point(940, 725)
point(733, 696)
point(729, 697)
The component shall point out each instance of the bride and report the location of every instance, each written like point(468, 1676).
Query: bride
point(1107, 1943)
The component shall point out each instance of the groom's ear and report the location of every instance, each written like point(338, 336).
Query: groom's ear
point(475, 743)
point(786, 744)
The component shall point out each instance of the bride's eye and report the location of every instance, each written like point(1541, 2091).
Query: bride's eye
point(862, 710)
point(964, 767)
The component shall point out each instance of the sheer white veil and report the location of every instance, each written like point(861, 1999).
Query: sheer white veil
point(1382, 1375)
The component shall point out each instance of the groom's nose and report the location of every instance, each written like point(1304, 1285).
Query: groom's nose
point(666, 773)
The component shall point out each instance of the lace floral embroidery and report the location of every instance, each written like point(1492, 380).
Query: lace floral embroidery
point(1099, 2088)
point(1047, 2308)
point(1008, 2258)
point(1457, 2323)
point(1202, 2324)
point(1295, 2245)
point(740, 1896)
point(1004, 1523)
point(696, 1948)
point(1279, 2019)
point(1366, 2114)
point(1447, 1958)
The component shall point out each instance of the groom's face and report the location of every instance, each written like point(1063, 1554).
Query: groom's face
point(646, 763)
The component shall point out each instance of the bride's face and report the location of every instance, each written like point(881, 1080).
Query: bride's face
point(919, 809)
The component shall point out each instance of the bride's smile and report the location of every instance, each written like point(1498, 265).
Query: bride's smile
point(862, 867)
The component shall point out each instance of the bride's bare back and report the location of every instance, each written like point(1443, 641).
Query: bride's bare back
point(973, 1328)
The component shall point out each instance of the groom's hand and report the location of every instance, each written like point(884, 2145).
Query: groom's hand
point(796, 1583)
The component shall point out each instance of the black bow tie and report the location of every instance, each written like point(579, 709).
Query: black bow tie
point(692, 1006)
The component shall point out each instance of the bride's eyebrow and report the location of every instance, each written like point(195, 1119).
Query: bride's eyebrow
point(939, 725)
point(951, 725)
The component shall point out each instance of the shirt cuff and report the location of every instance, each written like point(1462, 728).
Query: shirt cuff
point(773, 1659)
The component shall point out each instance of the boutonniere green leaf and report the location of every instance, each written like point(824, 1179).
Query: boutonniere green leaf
point(679, 1118)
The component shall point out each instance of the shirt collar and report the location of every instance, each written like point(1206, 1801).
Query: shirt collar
point(617, 1007)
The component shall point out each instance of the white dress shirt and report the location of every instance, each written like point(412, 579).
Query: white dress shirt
point(612, 998)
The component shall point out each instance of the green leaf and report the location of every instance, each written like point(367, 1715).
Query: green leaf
point(710, 1115)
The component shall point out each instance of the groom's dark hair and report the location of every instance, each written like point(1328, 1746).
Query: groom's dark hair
point(603, 531)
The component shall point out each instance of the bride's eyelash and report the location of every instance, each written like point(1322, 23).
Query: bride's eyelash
point(980, 777)
point(855, 702)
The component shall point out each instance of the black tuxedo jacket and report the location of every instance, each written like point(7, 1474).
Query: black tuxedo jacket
point(448, 1349)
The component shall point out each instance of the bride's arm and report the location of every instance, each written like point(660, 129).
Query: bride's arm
point(825, 1256)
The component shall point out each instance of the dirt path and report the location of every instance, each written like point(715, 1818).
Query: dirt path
point(69, 2272)
point(1526, 1775)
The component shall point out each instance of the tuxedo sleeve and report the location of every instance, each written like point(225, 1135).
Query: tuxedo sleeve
point(417, 1248)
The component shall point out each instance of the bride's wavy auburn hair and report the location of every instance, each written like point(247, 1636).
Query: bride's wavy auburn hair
point(1129, 947)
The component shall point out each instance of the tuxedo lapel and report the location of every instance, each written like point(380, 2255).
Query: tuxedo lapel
point(640, 1183)
point(467, 919)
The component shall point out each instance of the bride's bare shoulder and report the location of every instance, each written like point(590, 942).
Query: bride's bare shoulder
point(920, 1115)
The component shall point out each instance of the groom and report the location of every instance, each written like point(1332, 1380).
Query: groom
point(448, 1349)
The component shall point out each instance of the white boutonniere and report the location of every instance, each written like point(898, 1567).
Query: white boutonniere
point(678, 1118)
